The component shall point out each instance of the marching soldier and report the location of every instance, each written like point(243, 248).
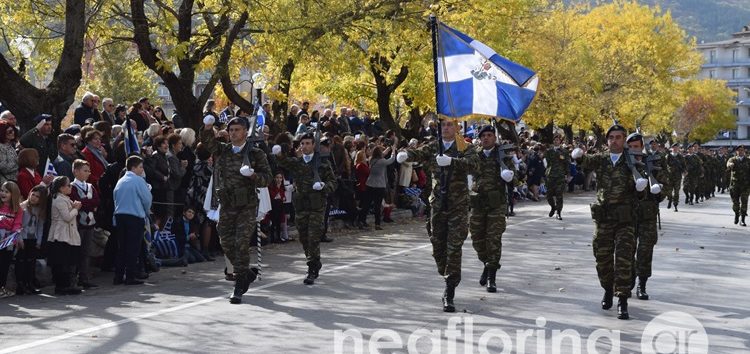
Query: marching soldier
point(694, 169)
point(488, 198)
point(313, 180)
point(558, 168)
point(675, 171)
point(647, 214)
point(739, 184)
point(449, 203)
point(723, 178)
point(239, 171)
point(614, 217)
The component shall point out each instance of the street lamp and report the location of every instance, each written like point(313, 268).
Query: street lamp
point(260, 80)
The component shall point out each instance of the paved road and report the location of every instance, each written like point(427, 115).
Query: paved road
point(385, 286)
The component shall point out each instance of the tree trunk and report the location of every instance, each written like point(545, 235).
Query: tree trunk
point(280, 108)
point(26, 101)
point(547, 133)
point(568, 129)
point(379, 66)
point(414, 124)
point(598, 134)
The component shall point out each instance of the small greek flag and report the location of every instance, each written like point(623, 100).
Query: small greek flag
point(261, 116)
point(131, 140)
point(472, 79)
point(50, 169)
point(225, 116)
point(8, 241)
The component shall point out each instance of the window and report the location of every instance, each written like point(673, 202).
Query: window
point(735, 112)
point(735, 55)
point(712, 56)
point(735, 73)
point(712, 74)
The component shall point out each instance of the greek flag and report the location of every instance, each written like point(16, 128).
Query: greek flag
point(261, 116)
point(50, 169)
point(131, 140)
point(474, 80)
point(8, 240)
point(224, 116)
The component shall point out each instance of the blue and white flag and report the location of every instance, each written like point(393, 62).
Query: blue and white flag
point(49, 169)
point(8, 240)
point(131, 140)
point(474, 80)
point(224, 116)
point(261, 117)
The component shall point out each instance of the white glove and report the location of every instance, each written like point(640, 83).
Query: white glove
point(41, 124)
point(208, 119)
point(246, 171)
point(318, 186)
point(443, 160)
point(656, 189)
point(507, 175)
point(640, 184)
point(577, 153)
point(276, 150)
point(402, 156)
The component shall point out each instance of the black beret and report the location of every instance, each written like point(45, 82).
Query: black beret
point(616, 128)
point(239, 121)
point(486, 128)
point(42, 117)
point(634, 137)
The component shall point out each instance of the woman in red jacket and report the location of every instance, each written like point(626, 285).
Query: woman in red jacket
point(28, 177)
point(361, 171)
point(94, 155)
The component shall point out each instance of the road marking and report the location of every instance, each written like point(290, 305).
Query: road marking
point(100, 327)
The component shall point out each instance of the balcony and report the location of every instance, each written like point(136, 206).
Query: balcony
point(726, 64)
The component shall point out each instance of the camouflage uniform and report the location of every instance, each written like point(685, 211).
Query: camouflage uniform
point(488, 204)
point(675, 168)
point(694, 168)
point(558, 167)
point(238, 197)
point(723, 177)
point(646, 229)
point(449, 225)
point(739, 183)
point(614, 220)
point(309, 204)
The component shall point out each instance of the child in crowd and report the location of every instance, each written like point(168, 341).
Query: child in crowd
point(85, 193)
point(11, 217)
point(185, 230)
point(64, 240)
point(34, 215)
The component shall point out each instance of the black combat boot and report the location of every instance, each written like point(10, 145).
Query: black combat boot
point(607, 299)
point(552, 211)
point(622, 308)
point(675, 207)
point(491, 287)
point(640, 292)
point(736, 218)
point(687, 200)
point(559, 217)
point(310, 277)
point(483, 277)
point(450, 292)
point(316, 269)
point(669, 204)
point(742, 220)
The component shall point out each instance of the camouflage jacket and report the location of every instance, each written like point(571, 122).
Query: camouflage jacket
point(740, 171)
point(661, 176)
point(558, 163)
point(693, 166)
point(461, 165)
point(489, 187)
point(232, 188)
point(615, 184)
point(304, 196)
point(675, 165)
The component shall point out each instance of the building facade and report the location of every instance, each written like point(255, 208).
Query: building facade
point(729, 60)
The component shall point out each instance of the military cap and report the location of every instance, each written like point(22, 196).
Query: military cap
point(485, 129)
point(239, 121)
point(616, 127)
point(634, 137)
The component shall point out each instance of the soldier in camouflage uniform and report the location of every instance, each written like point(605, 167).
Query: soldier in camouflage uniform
point(704, 182)
point(488, 204)
point(614, 218)
point(694, 169)
point(739, 183)
point(723, 178)
point(558, 168)
point(675, 171)
point(238, 171)
point(309, 198)
point(647, 213)
point(449, 213)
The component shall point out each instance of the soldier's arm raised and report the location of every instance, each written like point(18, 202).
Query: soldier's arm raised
point(208, 137)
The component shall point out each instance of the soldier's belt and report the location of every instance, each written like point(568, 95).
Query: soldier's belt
point(237, 197)
point(488, 200)
point(310, 202)
point(621, 213)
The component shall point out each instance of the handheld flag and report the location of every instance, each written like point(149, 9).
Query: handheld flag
point(472, 79)
point(131, 141)
point(261, 116)
point(8, 240)
point(50, 169)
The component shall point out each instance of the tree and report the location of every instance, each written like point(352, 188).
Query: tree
point(119, 74)
point(17, 93)
point(706, 111)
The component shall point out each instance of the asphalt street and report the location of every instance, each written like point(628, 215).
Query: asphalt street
point(382, 287)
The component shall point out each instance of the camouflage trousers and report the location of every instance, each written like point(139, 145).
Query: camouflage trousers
point(449, 231)
point(310, 228)
point(646, 238)
point(556, 186)
point(690, 186)
point(236, 227)
point(739, 199)
point(614, 245)
point(487, 226)
point(673, 193)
